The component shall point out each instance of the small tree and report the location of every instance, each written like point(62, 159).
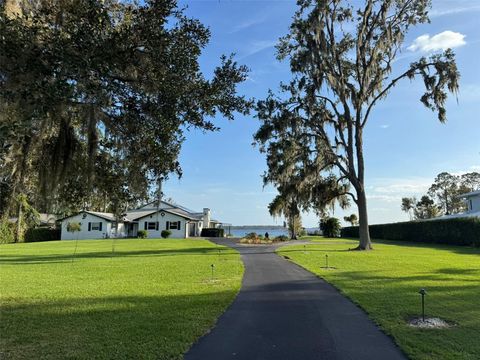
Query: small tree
point(352, 219)
point(74, 227)
point(330, 227)
point(408, 204)
point(426, 209)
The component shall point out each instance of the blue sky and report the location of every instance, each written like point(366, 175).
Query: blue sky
point(405, 145)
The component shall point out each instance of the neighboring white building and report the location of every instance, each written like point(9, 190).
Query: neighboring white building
point(182, 222)
point(472, 200)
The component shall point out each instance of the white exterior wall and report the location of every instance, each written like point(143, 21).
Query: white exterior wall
point(162, 220)
point(84, 219)
point(475, 203)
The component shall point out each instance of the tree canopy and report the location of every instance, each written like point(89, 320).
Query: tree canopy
point(97, 96)
point(443, 196)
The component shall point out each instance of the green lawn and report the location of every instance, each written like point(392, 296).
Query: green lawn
point(150, 299)
point(385, 282)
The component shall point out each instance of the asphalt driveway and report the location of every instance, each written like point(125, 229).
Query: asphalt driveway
point(286, 312)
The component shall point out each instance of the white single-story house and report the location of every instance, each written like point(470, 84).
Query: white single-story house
point(182, 222)
point(472, 200)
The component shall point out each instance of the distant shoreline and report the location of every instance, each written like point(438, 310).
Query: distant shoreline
point(240, 227)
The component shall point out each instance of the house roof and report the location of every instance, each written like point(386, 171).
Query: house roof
point(470, 194)
point(103, 215)
point(136, 215)
point(462, 215)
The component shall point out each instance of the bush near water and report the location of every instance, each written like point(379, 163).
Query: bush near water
point(462, 231)
point(254, 238)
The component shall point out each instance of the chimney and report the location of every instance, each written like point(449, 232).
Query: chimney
point(206, 218)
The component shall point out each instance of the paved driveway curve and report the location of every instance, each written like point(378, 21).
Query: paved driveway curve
point(285, 312)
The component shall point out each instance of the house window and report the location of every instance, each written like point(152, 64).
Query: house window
point(173, 225)
point(94, 226)
point(152, 226)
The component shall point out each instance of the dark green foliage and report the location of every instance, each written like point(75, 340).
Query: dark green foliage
point(165, 233)
point(330, 227)
point(7, 232)
point(95, 98)
point(212, 232)
point(41, 234)
point(142, 234)
point(280, 238)
point(452, 231)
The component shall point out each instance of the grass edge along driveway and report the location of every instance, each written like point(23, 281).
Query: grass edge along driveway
point(122, 299)
point(385, 283)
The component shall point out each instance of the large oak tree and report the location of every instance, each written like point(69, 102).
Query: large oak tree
point(96, 96)
point(341, 58)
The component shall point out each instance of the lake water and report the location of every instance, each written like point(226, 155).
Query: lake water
point(271, 232)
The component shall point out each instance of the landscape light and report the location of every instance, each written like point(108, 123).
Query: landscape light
point(326, 261)
point(423, 292)
point(213, 267)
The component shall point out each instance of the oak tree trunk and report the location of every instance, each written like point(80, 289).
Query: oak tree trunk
point(365, 243)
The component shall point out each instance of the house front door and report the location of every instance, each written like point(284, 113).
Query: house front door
point(192, 229)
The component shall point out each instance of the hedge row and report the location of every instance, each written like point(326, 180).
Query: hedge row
point(41, 234)
point(212, 232)
point(463, 231)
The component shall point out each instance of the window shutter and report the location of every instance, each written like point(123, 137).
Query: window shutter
point(168, 225)
point(101, 222)
point(157, 226)
point(145, 226)
point(178, 227)
point(89, 226)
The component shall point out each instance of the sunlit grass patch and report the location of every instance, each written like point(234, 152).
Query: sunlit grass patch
point(114, 299)
point(385, 282)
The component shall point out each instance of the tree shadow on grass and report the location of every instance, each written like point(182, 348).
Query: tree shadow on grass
point(123, 327)
point(57, 258)
point(470, 250)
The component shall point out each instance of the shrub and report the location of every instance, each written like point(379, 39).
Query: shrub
point(41, 234)
point(212, 232)
point(7, 233)
point(330, 227)
point(252, 235)
point(165, 233)
point(460, 231)
point(74, 226)
point(281, 238)
point(142, 234)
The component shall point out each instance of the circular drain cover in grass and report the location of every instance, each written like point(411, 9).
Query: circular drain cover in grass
point(429, 323)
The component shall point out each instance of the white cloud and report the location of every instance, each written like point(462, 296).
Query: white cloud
point(385, 126)
point(441, 41)
point(257, 46)
point(248, 24)
point(453, 10)
point(469, 93)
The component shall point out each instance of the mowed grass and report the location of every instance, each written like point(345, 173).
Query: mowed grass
point(385, 283)
point(149, 299)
